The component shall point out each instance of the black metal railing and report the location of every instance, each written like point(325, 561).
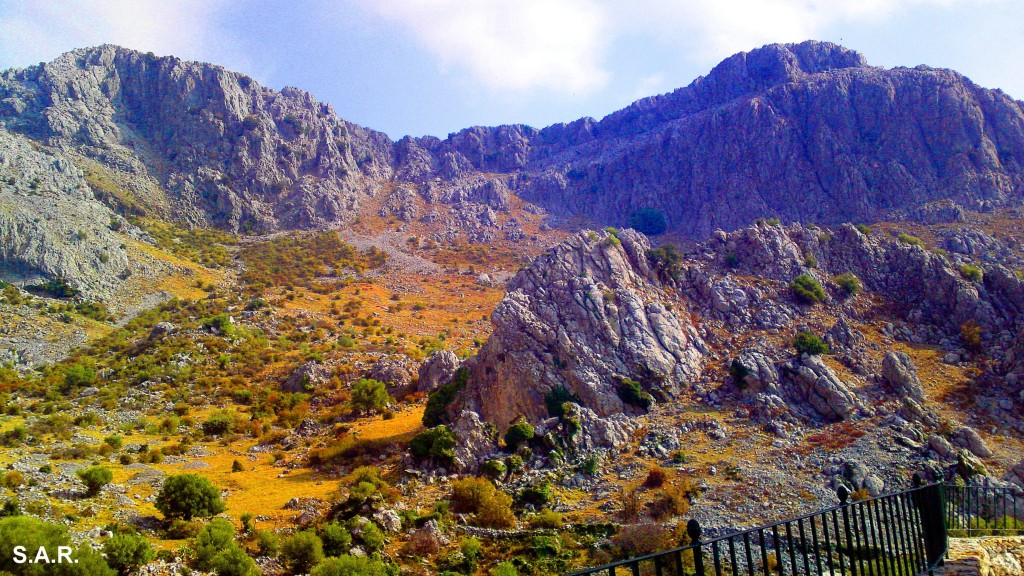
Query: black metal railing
point(982, 510)
point(901, 534)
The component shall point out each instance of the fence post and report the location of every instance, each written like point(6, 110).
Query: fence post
point(930, 504)
point(693, 530)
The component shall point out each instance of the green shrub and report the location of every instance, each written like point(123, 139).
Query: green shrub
point(505, 568)
point(234, 561)
point(849, 282)
point(336, 539)
point(95, 478)
point(186, 496)
point(807, 290)
point(537, 495)
point(494, 469)
point(269, 545)
point(648, 220)
point(863, 229)
point(437, 443)
point(630, 392)
point(521, 431)
point(369, 394)
point(302, 551)
point(222, 324)
point(490, 507)
point(667, 260)
point(220, 422)
point(810, 261)
point(212, 539)
point(372, 537)
point(908, 239)
point(972, 273)
point(347, 565)
point(438, 400)
point(79, 375)
point(808, 343)
point(126, 551)
point(555, 398)
point(546, 519)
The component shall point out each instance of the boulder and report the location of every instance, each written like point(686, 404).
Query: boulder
point(899, 370)
point(396, 371)
point(437, 370)
point(307, 377)
point(967, 437)
point(818, 386)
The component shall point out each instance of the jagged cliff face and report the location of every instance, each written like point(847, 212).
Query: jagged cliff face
point(594, 311)
point(228, 151)
point(580, 318)
point(805, 132)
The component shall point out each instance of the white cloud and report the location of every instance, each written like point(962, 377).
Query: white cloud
point(517, 46)
point(31, 32)
point(713, 29)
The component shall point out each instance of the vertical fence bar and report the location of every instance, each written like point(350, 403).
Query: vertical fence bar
point(901, 536)
point(717, 558)
point(803, 545)
point(838, 535)
point(764, 551)
point(693, 531)
point(778, 549)
point(732, 556)
point(748, 553)
point(889, 535)
point(915, 530)
point(817, 547)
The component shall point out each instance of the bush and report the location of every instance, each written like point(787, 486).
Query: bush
point(650, 221)
point(369, 394)
point(186, 496)
point(126, 551)
point(437, 443)
point(656, 476)
point(438, 400)
point(220, 422)
point(492, 507)
point(236, 466)
point(546, 519)
point(347, 565)
point(555, 399)
point(372, 537)
point(268, 543)
point(79, 375)
point(863, 229)
point(302, 551)
point(667, 260)
point(494, 469)
point(808, 343)
point(95, 478)
point(810, 261)
point(335, 538)
point(518, 433)
point(848, 282)
point(34, 534)
point(505, 568)
point(908, 239)
point(972, 273)
point(234, 561)
point(212, 539)
point(807, 290)
point(970, 334)
point(630, 392)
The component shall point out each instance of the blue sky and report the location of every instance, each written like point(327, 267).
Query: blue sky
point(436, 66)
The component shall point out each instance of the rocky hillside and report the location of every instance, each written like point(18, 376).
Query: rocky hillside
point(607, 323)
point(805, 132)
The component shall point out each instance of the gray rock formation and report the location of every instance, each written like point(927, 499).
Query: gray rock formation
point(582, 317)
point(51, 225)
point(899, 370)
point(437, 370)
point(306, 377)
point(818, 386)
point(395, 371)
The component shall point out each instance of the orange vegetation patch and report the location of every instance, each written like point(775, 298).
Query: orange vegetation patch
point(407, 422)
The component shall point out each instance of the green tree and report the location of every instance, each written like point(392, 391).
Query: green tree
point(234, 561)
point(369, 394)
point(95, 478)
point(302, 551)
point(79, 375)
point(807, 289)
point(808, 343)
point(336, 540)
point(188, 495)
point(126, 551)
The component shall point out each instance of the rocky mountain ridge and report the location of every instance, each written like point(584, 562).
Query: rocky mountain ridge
point(805, 132)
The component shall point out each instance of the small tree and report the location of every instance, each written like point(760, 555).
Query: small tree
point(518, 433)
point(95, 478)
point(807, 289)
point(369, 394)
point(301, 552)
point(126, 551)
point(848, 282)
point(186, 496)
point(807, 343)
point(437, 443)
point(648, 220)
point(347, 565)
